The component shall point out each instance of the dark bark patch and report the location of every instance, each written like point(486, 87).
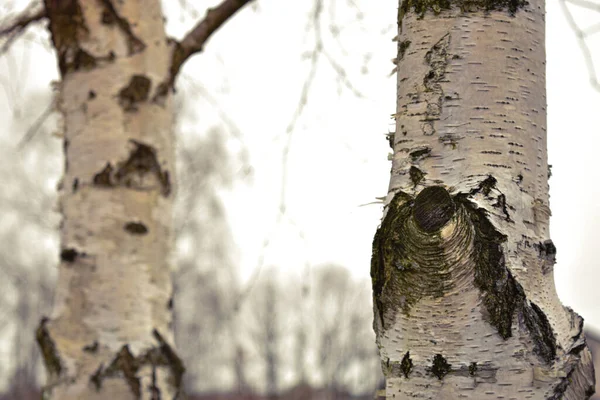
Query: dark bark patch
point(501, 293)
point(416, 175)
point(67, 27)
point(75, 185)
point(473, 368)
point(406, 365)
point(171, 359)
point(104, 177)
point(407, 263)
point(421, 7)
point(544, 342)
point(390, 138)
point(154, 390)
point(501, 203)
point(141, 166)
point(141, 171)
point(440, 366)
point(83, 61)
point(433, 208)
point(126, 365)
point(485, 186)
point(111, 17)
point(96, 378)
point(69, 255)
point(136, 228)
point(546, 250)
point(136, 91)
point(91, 348)
point(108, 18)
point(420, 153)
point(91, 95)
point(402, 48)
point(48, 349)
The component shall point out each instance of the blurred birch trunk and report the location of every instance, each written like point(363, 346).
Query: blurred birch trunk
point(464, 298)
point(109, 334)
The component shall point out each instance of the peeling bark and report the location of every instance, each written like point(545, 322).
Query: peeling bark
point(464, 301)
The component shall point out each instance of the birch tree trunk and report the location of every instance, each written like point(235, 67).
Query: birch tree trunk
point(110, 333)
point(464, 298)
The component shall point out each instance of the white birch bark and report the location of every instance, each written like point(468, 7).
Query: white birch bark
point(464, 297)
point(109, 334)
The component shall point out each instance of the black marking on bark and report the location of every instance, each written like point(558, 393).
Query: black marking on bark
point(96, 377)
point(546, 250)
point(390, 138)
point(416, 175)
point(83, 61)
point(137, 172)
point(69, 255)
point(170, 303)
point(136, 228)
point(420, 153)
point(437, 59)
point(485, 186)
point(440, 366)
point(65, 150)
point(501, 203)
point(91, 95)
point(104, 177)
point(473, 368)
point(540, 330)
point(134, 44)
point(142, 163)
point(549, 171)
point(402, 48)
point(75, 185)
point(48, 349)
point(91, 348)
point(136, 91)
point(124, 364)
point(153, 388)
point(547, 253)
point(108, 18)
point(433, 208)
point(406, 365)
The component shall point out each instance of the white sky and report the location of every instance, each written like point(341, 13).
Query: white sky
point(338, 156)
point(337, 161)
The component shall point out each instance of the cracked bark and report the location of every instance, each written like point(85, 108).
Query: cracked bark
point(464, 297)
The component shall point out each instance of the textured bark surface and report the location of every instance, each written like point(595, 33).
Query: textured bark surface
point(109, 335)
point(464, 297)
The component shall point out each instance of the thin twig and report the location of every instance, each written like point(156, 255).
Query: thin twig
point(35, 127)
point(587, 55)
point(34, 13)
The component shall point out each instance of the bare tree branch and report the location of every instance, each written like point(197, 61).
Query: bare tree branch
point(35, 127)
point(581, 36)
point(195, 39)
point(14, 28)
